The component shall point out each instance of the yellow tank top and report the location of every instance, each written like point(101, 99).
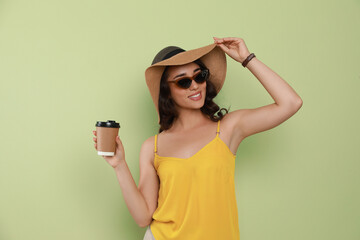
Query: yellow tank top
point(197, 195)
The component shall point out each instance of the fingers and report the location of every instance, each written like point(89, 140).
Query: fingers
point(221, 40)
point(231, 39)
point(217, 40)
point(223, 47)
point(118, 141)
point(95, 140)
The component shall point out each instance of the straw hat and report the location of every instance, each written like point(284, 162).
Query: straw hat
point(211, 55)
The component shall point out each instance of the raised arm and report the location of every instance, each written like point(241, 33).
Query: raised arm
point(246, 122)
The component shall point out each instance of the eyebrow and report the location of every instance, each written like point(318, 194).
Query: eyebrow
point(183, 74)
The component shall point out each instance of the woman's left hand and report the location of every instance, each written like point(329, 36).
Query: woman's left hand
point(233, 47)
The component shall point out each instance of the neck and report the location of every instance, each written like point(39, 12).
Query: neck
point(189, 119)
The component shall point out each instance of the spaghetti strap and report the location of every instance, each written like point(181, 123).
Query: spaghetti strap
point(155, 150)
point(218, 128)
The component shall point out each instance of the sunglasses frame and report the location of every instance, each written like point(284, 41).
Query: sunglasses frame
point(206, 71)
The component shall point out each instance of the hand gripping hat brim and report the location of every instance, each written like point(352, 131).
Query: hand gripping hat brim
point(211, 55)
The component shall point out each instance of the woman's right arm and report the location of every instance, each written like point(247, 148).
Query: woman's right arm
point(141, 201)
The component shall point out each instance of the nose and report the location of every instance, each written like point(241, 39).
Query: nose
point(194, 85)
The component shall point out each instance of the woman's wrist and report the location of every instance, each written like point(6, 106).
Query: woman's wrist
point(248, 59)
point(243, 58)
point(119, 165)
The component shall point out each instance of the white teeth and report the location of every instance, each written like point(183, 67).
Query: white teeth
point(195, 95)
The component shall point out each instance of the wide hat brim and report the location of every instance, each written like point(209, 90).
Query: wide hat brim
point(211, 55)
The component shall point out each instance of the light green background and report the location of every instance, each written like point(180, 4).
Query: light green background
point(66, 64)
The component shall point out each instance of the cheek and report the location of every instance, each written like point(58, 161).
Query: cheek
point(177, 93)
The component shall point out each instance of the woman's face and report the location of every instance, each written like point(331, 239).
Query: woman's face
point(182, 97)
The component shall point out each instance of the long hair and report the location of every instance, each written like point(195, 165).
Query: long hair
point(167, 110)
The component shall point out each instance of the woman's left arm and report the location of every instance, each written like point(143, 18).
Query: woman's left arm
point(246, 122)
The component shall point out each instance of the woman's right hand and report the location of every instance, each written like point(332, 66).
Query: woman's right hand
point(119, 156)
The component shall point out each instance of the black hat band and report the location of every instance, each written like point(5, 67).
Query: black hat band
point(172, 53)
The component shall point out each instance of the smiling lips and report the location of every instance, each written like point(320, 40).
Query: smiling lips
point(195, 96)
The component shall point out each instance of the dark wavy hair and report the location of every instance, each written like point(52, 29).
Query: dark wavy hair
point(167, 110)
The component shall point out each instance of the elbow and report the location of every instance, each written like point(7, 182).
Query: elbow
point(296, 104)
point(293, 103)
point(299, 103)
point(142, 225)
point(146, 222)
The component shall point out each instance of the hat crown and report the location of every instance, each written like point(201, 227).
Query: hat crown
point(166, 53)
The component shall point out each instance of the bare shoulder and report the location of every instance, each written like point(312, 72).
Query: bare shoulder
point(147, 150)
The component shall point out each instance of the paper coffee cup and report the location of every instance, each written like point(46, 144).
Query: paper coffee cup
point(106, 133)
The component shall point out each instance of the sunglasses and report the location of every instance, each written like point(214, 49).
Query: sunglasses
point(186, 82)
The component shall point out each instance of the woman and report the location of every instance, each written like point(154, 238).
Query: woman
point(186, 187)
